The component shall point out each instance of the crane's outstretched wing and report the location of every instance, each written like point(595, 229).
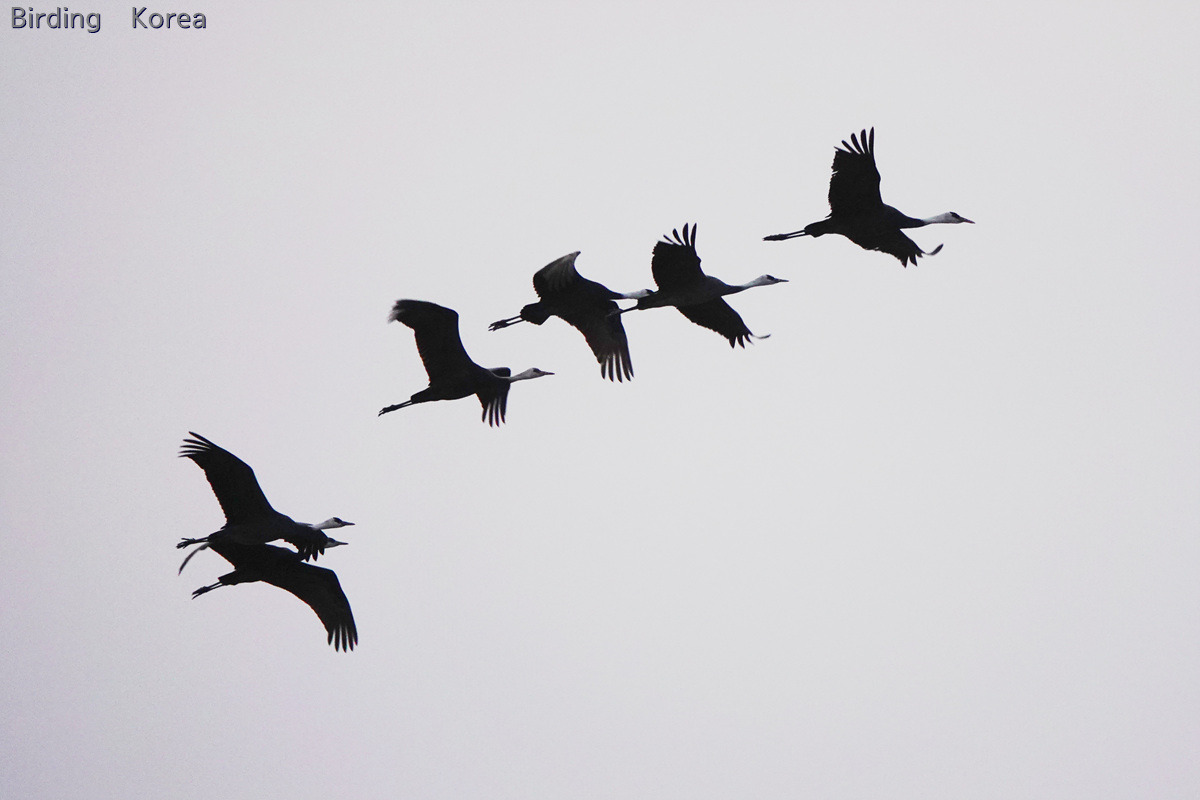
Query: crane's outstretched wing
point(436, 330)
point(606, 337)
point(320, 589)
point(854, 185)
point(317, 586)
point(895, 243)
point(556, 277)
point(232, 480)
point(719, 316)
point(493, 396)
point(588, 307)
point(675, 263)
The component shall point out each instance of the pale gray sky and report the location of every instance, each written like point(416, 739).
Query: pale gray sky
point(936, 538)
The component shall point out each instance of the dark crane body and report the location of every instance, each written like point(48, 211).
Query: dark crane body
point(452, 373)
point(585, 305)
point(699, 297)
point(857, 210)
point(278, 566)
point(249, 517)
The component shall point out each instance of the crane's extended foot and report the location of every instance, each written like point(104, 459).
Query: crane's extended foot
point(383, 411)
point(188, 543)
point(503, 323)
point(779, 237)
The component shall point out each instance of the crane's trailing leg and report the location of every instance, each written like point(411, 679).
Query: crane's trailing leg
point(504, 323)
point(779, 237)
point(383, 411)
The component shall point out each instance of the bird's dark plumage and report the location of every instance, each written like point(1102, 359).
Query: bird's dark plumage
point(232, 480)
point(278, 566)
point(857, 210)
point(249, 517)
point(585, 305)
point(675, 266)
point(452, 373)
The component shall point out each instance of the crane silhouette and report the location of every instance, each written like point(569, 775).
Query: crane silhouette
point(249, 517)
point(857, 210)
point(278, 566)
point(452, 373)
point(682, 284)
point(586, 306)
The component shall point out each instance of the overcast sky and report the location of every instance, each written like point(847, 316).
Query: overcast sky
point(937, 537)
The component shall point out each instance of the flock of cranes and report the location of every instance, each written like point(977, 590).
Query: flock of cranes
point(856, 211)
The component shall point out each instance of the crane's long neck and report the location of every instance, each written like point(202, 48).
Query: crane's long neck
point(761, 280)
point(528, 374)
point(946, 218)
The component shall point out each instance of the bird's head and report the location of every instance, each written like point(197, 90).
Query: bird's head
point(331, 523)
point(532, 372)
point(767, 280)
point(951, 217)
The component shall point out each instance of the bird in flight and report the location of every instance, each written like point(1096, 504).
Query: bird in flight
point(699, 297)
point(586, 306)
point(857, 210)
point(278, 566)
point(452, 373)
point(249, 517)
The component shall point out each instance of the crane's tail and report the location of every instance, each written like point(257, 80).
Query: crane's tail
point(203, 546)
point(383, 411)
point(779, 237)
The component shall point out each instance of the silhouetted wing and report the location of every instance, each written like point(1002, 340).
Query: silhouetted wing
point(316, 586)
point(588, 307)
point(717, 315)
point(320, 588)
point(232, 480)
point(556, 277)
point(438, 342)
point(893, 242)
point(675, 263)
point(309, 542)
point(493, 396)
point(605, 335)
point(854, 186)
